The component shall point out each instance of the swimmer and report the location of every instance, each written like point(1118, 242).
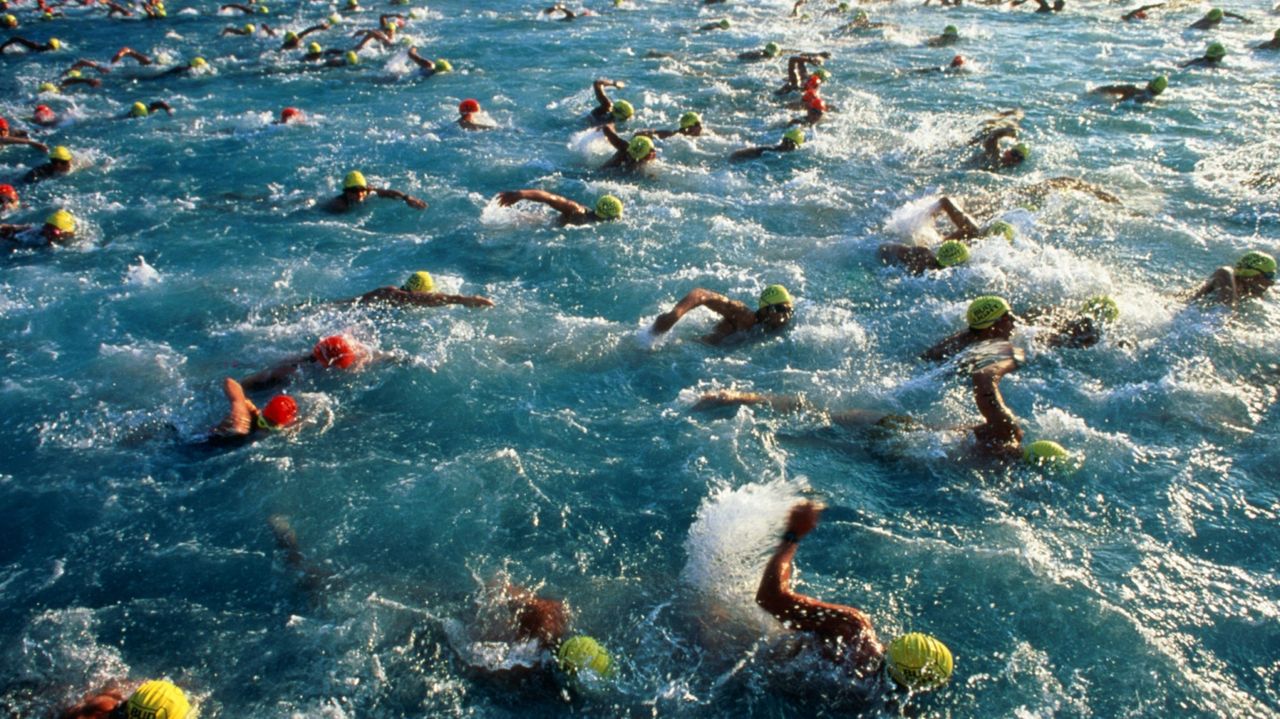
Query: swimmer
point(918, 259)
point(797, 73)
point(245, 422)
point(387, 37)
point(315, 579)
point(1133, 92)
point(1043, 5)
point(1253, 275)
point(989, 318)
point(59, 228)
point(1214, 18)
point(1003, 126)
point(155, 698)
point(59, 164)
point(722, 24)
point(608, 111)
point(8, 137)
point(690, 126)
point(289, 114)
point(293, 40)
point(82, 64)
point(1076, 328)
point(845, 634)
point(140, 109)
point(355, 191)
point(956, 65)
point(115, 9)
point(468, 111)
point(791, 140)
point(1272, 44)
point(607, 207)
point(773, 314)
point(1140, 13)
point(770, 51)
point(74, 78)
point(429, 67)
point(950, 36)
point(44, 116)
point(1212, 57)
point(331, 57)
point(53, 45)
point(629, 155)
point(565, 13)
point(862, 21)
point(815, 109)
point(419, 289)
point(249, 29)
point(8, 199)
point(246, 9)
point(337, 351)
point(196, 63)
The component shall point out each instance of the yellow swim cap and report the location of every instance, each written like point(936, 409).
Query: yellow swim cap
point(1255, 263)
point(775, 295)
point(985, 311)
point(584, 653)
point(62, 220)
point(795, 135)
point(1000, 227)
point(919, 662)
point(264, 10)
point(1101, 308)
point(138, 110)
point(419, 281)
point(354, 181)
point(952, 252)
point(158, 699)
point(48, 87)
point(60, 153)
point(249, 28)
point(608, 207)
point(314, 48)
point(198, 62)
point(9, 21)
point(639, 147)
point(55, 43)
point(335, 19)
point(1048, 454)
point(352, 58)
point(623, 110)
point(75, 73)
point(689, 119)
point(291, 36)
point(443, 65)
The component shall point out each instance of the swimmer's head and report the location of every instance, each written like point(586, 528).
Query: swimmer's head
point(1101, 308)
point(419, 281)
point(1214, 15)
point(951, 31)
point(60, 154)
point(1255, 263)
point(353, 4)
point(197, 63)
point(860, 16)
point(264, 10)
point(158, 699)
point(794, 136)
point(290, 113)
point(43, 113)
point(608, 207)
point(55, 43)
point(772, 49)
point(690, 120)
point(335, 19)
point(822, 74)
point(8, 196)
point(250, 28)
point(1048, 454)
point(313, 48)
point(775, 295)
point(623, 110)
point(291, 37)
point(1215, 51)
point(957, 61)
point(918, 662)
point(1017, 154)
point(280, 411)
point(48, 87)
point(724, 24)
point(61, 223)
point(138, 110)
point(335, 351)
point(985, 311)
point(583, 654)
point(952, 252)
point(443, 65)
point(4, 127)
point(468, 106)
point(639, 148)
point(1158, 84)
point(351, 57)
point(9, 21)
point(1002, 228)
point(354, 181)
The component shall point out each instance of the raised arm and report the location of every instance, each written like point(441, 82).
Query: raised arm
point(1221, 286)
point(419, 60)
point(563, 205)
point(614, 139)
point(731, 310)
point(1000, 431)
point(124, 52)
point(409, 200)
point(160, 105)
point(1241, 18)
point(735, 398)
point(24, 141)
point(313, 28)
point(966, 228)
point(239, 419)
point(606, 105)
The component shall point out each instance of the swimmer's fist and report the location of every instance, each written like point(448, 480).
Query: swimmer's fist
point(665, 321)
point(415, 203)
point(803, 518)
point(478, 302)
point(507, 199)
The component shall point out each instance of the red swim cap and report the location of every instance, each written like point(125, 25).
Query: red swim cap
point(957, 61)
point(468, 106)
point(812, 83)
point(289, 113)
point(334, 351)
point(43, 112)
point(281, 410)
point(8, 191)
point(4, 125)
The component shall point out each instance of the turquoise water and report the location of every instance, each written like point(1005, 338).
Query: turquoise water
point(549, 440)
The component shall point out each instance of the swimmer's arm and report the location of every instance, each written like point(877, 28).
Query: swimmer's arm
point(233, 6)
point(11, 232)
point(749, 153)
point(731, 310)
point(274, 376)
point(421, 61)
point(90, 81)
point(160, 105)
point(657, 134)
point(1073, 183)
point(986, 394)
point(991, 143)
point(1123, 91)
point(611, 135)
point(267, 29)
point(440, 299)
point(409, 200)
point(566, 207)
point(24, 141)
point(1222, 285)
point(90, 64)
point(98, 705)
point(313, 28)
point(124, 52)
point(948, 346)
point(239, 419)
point(965, 225)
point(795, 9)
point(25, 43)
point(734, 398)
point(1241, 18)
point(606, 105)
point(1134, 13)
point(114, 9)
point(385, 19)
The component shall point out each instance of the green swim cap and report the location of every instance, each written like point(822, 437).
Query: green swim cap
point(843, 7)
point(950, 31)
point(584, 653)
point(1276, 37)
point(354, 181)
point(860, 16)
point(443, 65)
point(986, 311)
point(1048, 454)
point(775, 295)
point(313, 48)
point(918, 662)
point(419, 281)
point(1023, 150)
point(725, 24)
point(1215, 51)
point(48, 87)
point(1000, 227)
point(249, 28)
point(1215, 15)
point(352, 58)
point(1255, 263)
point(822, 74)
point(622, 110)
point(60, 153)
point(772, 49)
point(795, 135)
point(1101, 308)
point(639, 147)
point(198, 62)
point(1158, 84)
point(689, 119)
point(608, 207)
point(952, 252)
point(138, 110)
point(291, 36)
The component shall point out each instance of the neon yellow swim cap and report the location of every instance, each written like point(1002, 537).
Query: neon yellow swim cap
point(250, 28)
point(952, 252)
point(74, 73)
point(985, 311)
point(639, 147)
point(138, 110)
point(689, 119)
point(1048, 454)
point(775, 295)
point(291, 36)
point(1214, 15)
point(335, 19)
point(1254, 263)
point(419, 281)
point(48, 87)
point(443, 65)
point(55, 43)
point(608, 207)
point(9, 21)
point(772, 49)
point(314, 48)
point(1022, 150)
point(352, 58)
point(795, 135)
point(622, 110)
point(1000, 227)
point(1158, 84)
point(198, 62)
point(1215, 51)
point(584, 653)
point(158, 699)
point(918, 662)
point(62, 220)
point(60, 153)
point(1101, 308)
point(354, 181)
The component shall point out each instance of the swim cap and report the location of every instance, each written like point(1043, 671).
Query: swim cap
point(1158, 84)
point(4, 125)
point(48, 87)
point(263, 10)
point(353, 3)
point(352, 58)
point(725, 24)
point(950, 31)
point(986, 311)
point(138, 110)
point(334, 351)
point(843, 7)
point(1101, 308)
point(860, 16)
point(198, 62)
point(74, 73)
point(335, 19)
point(639, 147)
point(289, 113)
point(1255, 263)
point(55, 43)
point(291, 36)
point(1276, 37)
point(822, 74)
point(8, 191)
point(62, 220)
point(158, 699)
point(1215, 15)
point(314, 48)
point(10, 21)
point(795, 135)
point(1047, 453)
point(1022, 150)
point(1215, 51)
point(957, 61)
point(43, 113)
point(583, 652)
point(1000, 227)
point(280, 410)
point(772, 49)
point(60, 153)
point(813, 102)
point(918, 661)
point(775, 295)
point(468, 106)
point(689, 119)
point(443, 65)
point(608, 207)
point(622, 110)
point(249, 28)
point(952, 252)
point(354, 181)
point(419, 281)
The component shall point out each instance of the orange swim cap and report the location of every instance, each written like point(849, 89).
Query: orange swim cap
point(289, 113)
point(280, 410)
point(335, 351)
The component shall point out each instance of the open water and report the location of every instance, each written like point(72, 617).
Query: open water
point(550, 441)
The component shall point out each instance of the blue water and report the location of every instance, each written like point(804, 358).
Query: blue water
point(549, 441)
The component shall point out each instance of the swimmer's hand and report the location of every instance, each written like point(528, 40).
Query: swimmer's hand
point(665, 321)
point(803, 518)
point(415, 203)
point(477, 302)
point(727, 398)
point(509, 198)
